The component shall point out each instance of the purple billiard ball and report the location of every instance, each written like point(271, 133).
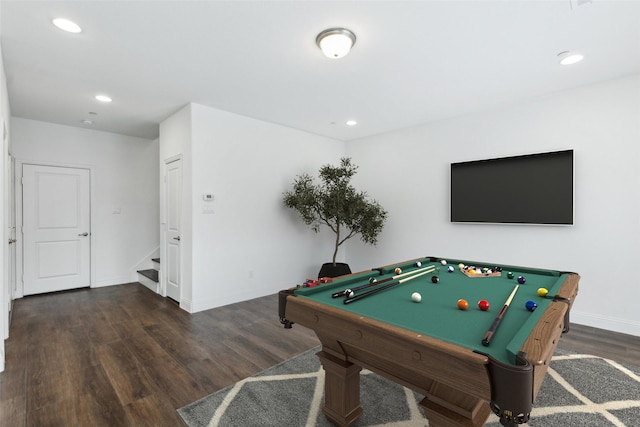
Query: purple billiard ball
point(521, 280)
point(531, 305)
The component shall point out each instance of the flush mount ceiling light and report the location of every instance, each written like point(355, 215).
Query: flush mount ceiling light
point(103, 98)
point(569, 58)
point(66, 25)
point(336, 42)
point(351, 122)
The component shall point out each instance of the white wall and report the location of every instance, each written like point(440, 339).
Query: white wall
point(124, 174)
point(251, 245)
point(5, 298)
point(600, 122)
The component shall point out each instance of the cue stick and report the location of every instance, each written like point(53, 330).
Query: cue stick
point(494, 326)
point(367, 285)
point(386, 286)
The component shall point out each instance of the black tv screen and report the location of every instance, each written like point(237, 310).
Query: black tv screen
point(529, 189)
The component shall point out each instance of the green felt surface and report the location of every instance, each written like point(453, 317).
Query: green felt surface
point(438, 316)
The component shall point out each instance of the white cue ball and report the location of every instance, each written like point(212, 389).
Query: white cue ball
point(416, 297)
point(443, 262)
point(418, 264)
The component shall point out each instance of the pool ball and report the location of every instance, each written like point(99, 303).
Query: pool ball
point(461, 266)
point(521, 280)
point(349, 293)
point(443, 261)
point(372, 280)
point(483, 305)
point(435, 279)
point(509, 275)
point(416, 297)
point(543, 292)
point(398, 270)
point(531, 305)
point(463, 304)
point(450, 269)
point(418, 264)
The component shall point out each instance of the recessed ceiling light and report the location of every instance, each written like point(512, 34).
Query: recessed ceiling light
point(570, 58)
point(66, 25)
point(103, 98)
point(351, 123)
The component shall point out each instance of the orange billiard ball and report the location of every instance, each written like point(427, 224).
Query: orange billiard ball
point(398, 270)
point(463, 304)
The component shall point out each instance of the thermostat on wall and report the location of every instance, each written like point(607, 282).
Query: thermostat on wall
point(207, 197)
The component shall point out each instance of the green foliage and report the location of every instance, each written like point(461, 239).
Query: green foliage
point(336, 204)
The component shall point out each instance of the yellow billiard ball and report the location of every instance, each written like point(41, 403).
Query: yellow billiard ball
point(543, 292)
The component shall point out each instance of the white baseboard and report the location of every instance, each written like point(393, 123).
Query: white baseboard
point(115, 281)
point(622, 326)
point(186, 305)
point(148, 283)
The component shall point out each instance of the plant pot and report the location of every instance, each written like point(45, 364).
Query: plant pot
point(334, 270)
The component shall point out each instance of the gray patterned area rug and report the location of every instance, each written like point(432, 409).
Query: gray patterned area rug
point(578, 390)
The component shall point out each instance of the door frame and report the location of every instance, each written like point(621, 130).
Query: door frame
point(164, 208)
point(19, 284)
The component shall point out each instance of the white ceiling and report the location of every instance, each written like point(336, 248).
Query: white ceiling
point(413, 62)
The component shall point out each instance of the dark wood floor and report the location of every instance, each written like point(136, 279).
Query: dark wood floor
point(122, 355)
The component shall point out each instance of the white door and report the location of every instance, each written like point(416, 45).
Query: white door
point(174, 191)
point(56, 228)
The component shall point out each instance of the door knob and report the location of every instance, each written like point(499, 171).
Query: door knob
point(85, 234)
point(12, 241)
point(177, 238)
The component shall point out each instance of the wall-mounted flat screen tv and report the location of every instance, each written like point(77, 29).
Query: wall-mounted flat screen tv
point(528, 189)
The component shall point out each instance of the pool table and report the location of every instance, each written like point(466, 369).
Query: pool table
point(432, 346)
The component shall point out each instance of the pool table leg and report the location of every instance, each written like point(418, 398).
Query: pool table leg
point(341, 390)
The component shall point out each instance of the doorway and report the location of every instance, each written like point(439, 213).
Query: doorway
point(56, 227)
point(173, 217)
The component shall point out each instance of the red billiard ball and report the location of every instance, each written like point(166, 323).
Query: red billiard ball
point(463, 304)
point(483, 305)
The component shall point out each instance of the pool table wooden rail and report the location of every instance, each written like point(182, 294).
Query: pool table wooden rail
point(542, 342)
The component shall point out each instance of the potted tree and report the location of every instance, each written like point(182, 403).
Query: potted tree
point(336, 203)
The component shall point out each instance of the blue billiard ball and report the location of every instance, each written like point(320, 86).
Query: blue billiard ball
point(531, 305)
point(450, 269)
point(521, 280)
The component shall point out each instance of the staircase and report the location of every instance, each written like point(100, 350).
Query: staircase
point(150, 278)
